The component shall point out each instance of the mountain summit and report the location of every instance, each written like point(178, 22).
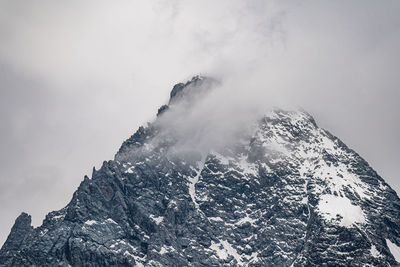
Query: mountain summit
point(284, 193)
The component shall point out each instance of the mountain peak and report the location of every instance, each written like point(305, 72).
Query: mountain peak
point(180, 89)
point(287, 194)
point(192, 89)
point(19, 232)
point(189, 91)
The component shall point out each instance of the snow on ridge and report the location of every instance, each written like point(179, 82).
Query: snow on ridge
point(330, 206)
point(394, 249)
point(338, 178)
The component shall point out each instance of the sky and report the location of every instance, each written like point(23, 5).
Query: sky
point(79, 77)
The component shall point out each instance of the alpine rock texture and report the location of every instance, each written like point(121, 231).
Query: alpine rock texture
point(288, 193)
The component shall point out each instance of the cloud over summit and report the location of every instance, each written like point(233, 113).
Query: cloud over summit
point(79, 77)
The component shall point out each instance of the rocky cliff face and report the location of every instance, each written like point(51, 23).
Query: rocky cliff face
point(287, 193)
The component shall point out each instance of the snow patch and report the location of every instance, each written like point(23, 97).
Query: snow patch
point(158, 219)
point(127, 253)
point(330, 206)
point(338, 178)
point(245, 220)
point(91, 222)
point(216, 219)
point(129, 170)
point(62, 216)
point(328, 144)
point(165, 249)
point(394, 249)
point(193, 181)
point(224, 249)
point(109, 220)
point(374, 252)
point(219, 250)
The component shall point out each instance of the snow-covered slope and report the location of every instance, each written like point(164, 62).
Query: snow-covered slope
point(287, 193)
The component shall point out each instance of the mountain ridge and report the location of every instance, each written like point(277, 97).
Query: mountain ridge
point(286, 193)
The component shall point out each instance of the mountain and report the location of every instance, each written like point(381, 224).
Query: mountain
point(283, 192)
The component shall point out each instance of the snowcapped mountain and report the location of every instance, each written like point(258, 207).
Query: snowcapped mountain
point(284, 193)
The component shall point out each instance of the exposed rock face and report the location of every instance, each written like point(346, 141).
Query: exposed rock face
point(19, 232)
point(288, 194)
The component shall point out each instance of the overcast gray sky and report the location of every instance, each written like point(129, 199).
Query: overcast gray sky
point(79, 77)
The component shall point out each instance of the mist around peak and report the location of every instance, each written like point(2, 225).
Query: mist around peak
point(204, 114)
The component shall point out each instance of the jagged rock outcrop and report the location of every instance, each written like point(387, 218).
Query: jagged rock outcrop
point(286, 194)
